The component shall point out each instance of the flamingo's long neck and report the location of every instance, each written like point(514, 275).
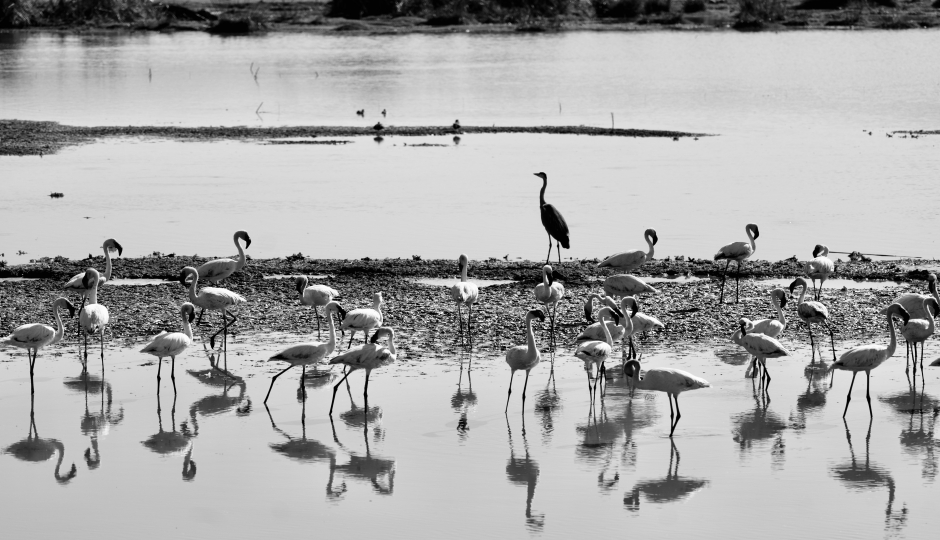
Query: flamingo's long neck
point(542, 193)
point(93, 293)
point(60, 329)
point(802, 294)
point(894, 338)
point(781, 316)
point(331, 344)
point(609, 340)
point(931, 325)
point(750, 236)
point(107, 262)
point(649, 241)
point(391, 344)
point(933, 291)
point(463, 272)
point(545, 278)
point(192, 287)
point(61, 449)
point(637, 382)
point(530, 337)
point(241, 255)
point(187, 329)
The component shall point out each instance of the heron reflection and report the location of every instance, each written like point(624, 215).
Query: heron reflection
point(669, 489)
point(524, 471)
point(173, 442)
point(869, 476)
point(36, 449)
point(379, 472)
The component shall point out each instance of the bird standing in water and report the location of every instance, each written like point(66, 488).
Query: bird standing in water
point(553, 222)
point(93, 317)
point(36, 336)
point(524, 356)
point(738, 252)
point(219, 269)
point(464, 293)
point(172, 344)
point(314, 295)
point(670, 381)
point(550, 292)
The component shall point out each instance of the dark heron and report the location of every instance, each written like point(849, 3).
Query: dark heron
point(553, 222)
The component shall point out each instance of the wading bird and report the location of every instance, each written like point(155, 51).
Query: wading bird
point(620, 285)
point(93, 317)
point(34, 448)
point(554, 224)
point(593, 331)
point(75, 284)
point(812, 312)
point(738, 252)
point(367, 357)
point(37, 335)
point(917, 331)
point(640, 322)
point(550, 292)
point(671, 381)
point(316, 295)
point(464, 293)
point(172, 344)
point(819, 268)
point(868, 357)
point(769, 327)
point(213, 299)
point(760, 346)
point(363, 319)
point(914, 303)
point(629, 261)
point(595, 352)
point(524, 356)
point(219, 269)
point(307, 354)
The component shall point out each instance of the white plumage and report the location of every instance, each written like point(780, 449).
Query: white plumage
point(913, 303)
point(670, 381)
point(317, 295)
point(593, 331)
point(769, 327)
point(219, 269)
point(620, 285)
point(525, 356)
point(595, 352)
point(93, 317)
point(213, 299)
point(759, 346)
point(738, 252)
point(868, 357)
point(368, 357)
point(820, 267)
point(35, 336)
point(306, 354)
point(549, 292)
point(464, 293)
point(364, 319)
point(172, 344)
point(75, 284)
point(629, 261)
point(812, 312)
point(918, 330)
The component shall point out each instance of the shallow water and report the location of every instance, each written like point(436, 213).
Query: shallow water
point(435, 448)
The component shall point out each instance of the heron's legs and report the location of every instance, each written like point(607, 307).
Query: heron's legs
point(549, 256)
point(558, 251)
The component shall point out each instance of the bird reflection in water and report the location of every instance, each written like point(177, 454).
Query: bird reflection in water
point(524, 471)
point(759, 425)
point(35, 449)
point(377, 471)
point(173, 442)
point(598, 438)
point(548, 403)
point(869, 476)
point(462, 402)
point(813, 399)
point(215, 405)
point(918, 411)
point(97, 424)
point(302, 449)
point(668, 489)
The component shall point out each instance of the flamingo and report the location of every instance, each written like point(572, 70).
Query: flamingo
point(671, 381)
point(550, 292)
point(760, 346)
point(812, 312)
point(553, 222)
point(219, 269)
point(93, 317)
point(464, 293)
point(594, 332)
point(172, 344)
point(640, 322)
point(37, 335)
point(215, 299)
point(868, 357)
point(769, 327)
point(524, 356)
point(75, 284)
point(367, 357)
point(620, 285)
point(629, 261)
point(314, 295)
point(594, 353)
point(819, 268)
point(914, 303)
point(738, 252)
point(363, 319)
point(918, 330)
point(34, 448)
point(307, 354)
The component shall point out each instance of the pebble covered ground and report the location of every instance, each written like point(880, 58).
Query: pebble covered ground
point(424, 316)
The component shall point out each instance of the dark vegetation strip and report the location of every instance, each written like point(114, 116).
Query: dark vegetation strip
point(22, 138)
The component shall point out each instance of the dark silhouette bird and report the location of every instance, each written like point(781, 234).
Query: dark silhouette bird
point(553, 222)
point(456, 124)
point(378, 126)
point(361, 112)
point(383, 113)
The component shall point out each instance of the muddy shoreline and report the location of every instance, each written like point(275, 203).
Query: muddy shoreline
point(424, 316)
point(31, 138)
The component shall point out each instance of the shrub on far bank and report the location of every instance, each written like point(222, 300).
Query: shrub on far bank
point(357, 9)
point(753, 13)
point(618, 9)
point(694, 6)
point(655, 7)
point(17, 13)
point(99, 11)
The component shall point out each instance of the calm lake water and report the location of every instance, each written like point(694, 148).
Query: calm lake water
point(436, 454)
point(792, 154)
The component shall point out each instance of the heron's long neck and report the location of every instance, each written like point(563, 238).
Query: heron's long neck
point(649, 241)
point(542, 193)
point(107, 263)
point(530, 336)
point(187, 329)
point(241, 255)
point(894, 338)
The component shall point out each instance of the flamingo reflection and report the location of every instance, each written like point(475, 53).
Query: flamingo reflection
point(302, 449)
point(669, 489)
point(379, 472)
point(216, 404)
point(758, 425)
point(35, 449)
point(919, 412)
point(524, 471)
point(548, 403)
point(172, 442)
point(462, 401)
point(813, 399)
point(97, 424)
